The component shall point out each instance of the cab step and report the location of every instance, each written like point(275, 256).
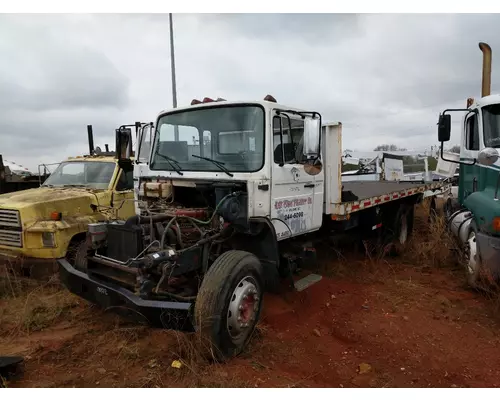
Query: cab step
point(306, 281)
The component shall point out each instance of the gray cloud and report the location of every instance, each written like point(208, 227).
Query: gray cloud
point(386, 77)
point(52, 85)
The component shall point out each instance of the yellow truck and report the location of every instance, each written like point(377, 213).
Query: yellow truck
point(42, 224)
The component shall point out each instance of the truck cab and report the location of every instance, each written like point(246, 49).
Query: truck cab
point(474, 216)
point(39, 225)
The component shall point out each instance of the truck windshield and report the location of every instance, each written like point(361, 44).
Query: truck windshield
point(227, 136)
point(90, 174)
point(491, 123)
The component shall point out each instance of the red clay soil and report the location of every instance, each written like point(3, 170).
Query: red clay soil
point(398, 327)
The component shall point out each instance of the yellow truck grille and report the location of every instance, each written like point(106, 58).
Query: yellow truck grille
point(10, 218)
point(11, 238)
point(10, 228)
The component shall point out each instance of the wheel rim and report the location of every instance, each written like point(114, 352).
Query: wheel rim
point(471, 254)
point(403, 232)
point(243, 307)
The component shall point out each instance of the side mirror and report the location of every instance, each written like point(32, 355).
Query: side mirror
point(124, 148)
point(312, 135)
point(444, 127)
point(488, 156)
point(144, 140)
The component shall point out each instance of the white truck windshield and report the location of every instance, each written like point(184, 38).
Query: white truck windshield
point(231, 136)
point(91, 174)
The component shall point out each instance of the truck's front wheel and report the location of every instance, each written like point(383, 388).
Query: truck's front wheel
point(229, 303)
point(472, 259)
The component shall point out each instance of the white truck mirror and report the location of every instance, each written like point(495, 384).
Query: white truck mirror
point(144, 141)
point(312, 132)
point(488, 156)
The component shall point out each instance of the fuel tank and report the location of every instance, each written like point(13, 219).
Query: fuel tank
point(459, 224)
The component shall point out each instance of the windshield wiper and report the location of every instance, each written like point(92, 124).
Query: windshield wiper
point(172, 161)
point(220, 164)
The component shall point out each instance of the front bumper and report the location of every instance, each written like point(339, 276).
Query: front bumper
point(160, 314)
point(489, 249)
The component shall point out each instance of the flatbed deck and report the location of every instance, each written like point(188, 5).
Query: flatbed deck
point(365, 190)
point(360, 195)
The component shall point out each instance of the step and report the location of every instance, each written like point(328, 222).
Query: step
point(306, 281)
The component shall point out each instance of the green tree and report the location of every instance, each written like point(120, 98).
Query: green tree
point(349, 167)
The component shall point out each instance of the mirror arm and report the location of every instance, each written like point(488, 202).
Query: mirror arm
point(453, 161)
point(458, 109)
point(282, 163)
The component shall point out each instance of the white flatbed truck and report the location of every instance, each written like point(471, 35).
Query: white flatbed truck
point(228, 197)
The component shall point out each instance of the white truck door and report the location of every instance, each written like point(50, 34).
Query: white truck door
point(292, 189)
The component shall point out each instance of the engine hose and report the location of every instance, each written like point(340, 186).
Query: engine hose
point(179, 236)
point(195, 226)
point(171, 235)
point(162, 241)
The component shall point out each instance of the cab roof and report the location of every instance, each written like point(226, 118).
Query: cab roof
point(263, 103)
point(486, 101)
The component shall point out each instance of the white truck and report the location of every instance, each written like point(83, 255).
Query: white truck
point(229, 197)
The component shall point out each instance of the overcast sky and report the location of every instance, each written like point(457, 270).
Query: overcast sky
point(386, 77)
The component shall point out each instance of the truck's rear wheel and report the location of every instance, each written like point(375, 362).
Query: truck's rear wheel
point(403, 224)
point(228, 304)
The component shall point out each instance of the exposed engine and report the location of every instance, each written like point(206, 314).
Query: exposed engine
point(164, 251)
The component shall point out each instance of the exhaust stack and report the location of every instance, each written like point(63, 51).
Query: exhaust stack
point(91, 139)
point(486, 83)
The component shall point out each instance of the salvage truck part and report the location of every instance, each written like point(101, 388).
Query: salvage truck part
point(230, 197)
point(40, 225)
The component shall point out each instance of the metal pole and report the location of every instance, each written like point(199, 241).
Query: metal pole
point(172, 67)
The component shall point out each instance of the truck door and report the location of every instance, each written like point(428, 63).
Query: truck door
point(469, 174)
point(293, 202)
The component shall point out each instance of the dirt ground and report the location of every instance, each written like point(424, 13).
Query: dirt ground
point(405, 321)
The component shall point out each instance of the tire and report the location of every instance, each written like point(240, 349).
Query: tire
point(472, 258)
point(403, 224)
point(229, 303)
point(433, 213)
point(77, 255)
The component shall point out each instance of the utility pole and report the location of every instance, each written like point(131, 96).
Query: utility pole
point(172, 68)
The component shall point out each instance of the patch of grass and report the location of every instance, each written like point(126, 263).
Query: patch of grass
point(432, 244)
point(30, 306)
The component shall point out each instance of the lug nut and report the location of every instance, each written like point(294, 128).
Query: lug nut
point(240, 308)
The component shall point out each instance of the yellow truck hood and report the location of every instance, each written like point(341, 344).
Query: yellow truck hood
point(41, 202)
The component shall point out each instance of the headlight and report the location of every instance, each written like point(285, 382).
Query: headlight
point(48, 239)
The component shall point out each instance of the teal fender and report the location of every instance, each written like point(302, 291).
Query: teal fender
point(484, 208)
